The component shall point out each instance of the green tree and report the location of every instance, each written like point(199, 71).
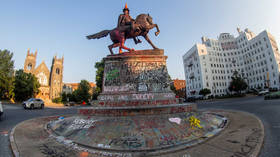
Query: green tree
point(57, 100)
point(6, 75)
point(64, 97)
point(26, 85)
point(71, 97)
point(98, 78)
point(82, 93)
point(204, 91)
point(237, 84)
point(172, 87)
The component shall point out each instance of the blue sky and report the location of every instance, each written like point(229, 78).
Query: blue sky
point(60, 26)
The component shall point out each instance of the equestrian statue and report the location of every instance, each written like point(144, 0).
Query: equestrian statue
point(128, 28)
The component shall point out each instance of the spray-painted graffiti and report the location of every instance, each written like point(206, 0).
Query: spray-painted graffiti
point(113, 74)
point(103, 146)
point(82, 124)
point(175, 120)
point(250, 144)
point(135, 132)
point(122, 112)
point(50, 150)
point(140, 96)
point(146, 96)
point(168, 140)
point(169, 95)
point(122, 97)
point(137, 103)
point(123, 88)
point(127, 142)
point(145, 76)
point(73, 146)
point(142, 87)
point(106, 98)
point(186, 155)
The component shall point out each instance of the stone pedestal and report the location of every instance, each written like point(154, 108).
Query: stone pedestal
point(137, 78)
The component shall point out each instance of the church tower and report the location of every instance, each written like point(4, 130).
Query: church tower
point(56, 77)
point(30, 62)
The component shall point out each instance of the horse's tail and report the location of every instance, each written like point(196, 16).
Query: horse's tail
point(99, 35)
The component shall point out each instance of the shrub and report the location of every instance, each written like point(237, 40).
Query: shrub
point(57, 100)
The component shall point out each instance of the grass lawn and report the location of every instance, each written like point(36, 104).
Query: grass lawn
point(274, 93)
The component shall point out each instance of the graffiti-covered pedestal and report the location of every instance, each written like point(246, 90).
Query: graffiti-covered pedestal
point(138, 78)
point(136, 113)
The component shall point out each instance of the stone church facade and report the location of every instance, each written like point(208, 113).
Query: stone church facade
point(50, 80)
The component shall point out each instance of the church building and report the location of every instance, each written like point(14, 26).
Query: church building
point(50, 80)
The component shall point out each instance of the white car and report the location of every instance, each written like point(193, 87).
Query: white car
point(263, 92)
point(33, 103)
point(1, 110)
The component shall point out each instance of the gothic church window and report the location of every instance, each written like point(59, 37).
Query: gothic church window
point(42, 78)
point(57, 71)
point(29, 67)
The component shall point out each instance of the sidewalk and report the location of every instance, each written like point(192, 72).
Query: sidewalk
point(243, 137)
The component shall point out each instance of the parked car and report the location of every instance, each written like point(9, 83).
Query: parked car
point(199, 97)
point(263, 92)
point(191, 99)
point(1, 110)
point(254, 91)
point(33, 103)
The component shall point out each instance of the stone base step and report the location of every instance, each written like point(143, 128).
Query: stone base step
point(133, 111)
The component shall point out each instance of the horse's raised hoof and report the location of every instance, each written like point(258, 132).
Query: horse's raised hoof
point(156, 33)
point(132, 50)
point(139, 41)
point(155, 48)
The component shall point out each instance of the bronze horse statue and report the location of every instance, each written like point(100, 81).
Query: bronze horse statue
point(119, 35)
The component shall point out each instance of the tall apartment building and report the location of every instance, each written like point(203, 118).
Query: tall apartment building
point(211, 64)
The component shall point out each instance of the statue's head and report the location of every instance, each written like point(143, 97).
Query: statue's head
point(126, 10)
point(150, 19)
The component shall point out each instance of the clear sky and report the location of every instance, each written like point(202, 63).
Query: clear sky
point(60, 26)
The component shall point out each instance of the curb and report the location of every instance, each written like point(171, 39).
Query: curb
point(13, 144)
point(259, 148)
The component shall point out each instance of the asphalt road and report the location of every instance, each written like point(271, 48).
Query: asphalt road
point(267, 110)
point(14, 114)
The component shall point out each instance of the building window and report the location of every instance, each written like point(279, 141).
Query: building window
point(57, 71)
point(29, 67)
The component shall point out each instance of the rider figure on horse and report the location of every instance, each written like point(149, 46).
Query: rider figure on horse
point(128, 28)
point(126, 24)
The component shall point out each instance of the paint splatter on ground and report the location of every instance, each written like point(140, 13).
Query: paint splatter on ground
point(137, 132)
